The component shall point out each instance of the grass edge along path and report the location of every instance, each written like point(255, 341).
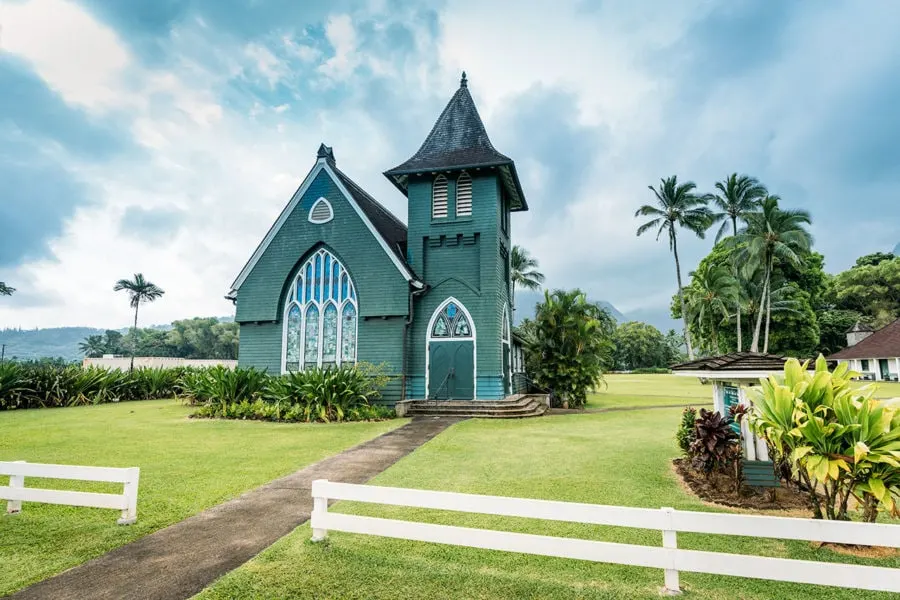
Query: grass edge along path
point(187, 465)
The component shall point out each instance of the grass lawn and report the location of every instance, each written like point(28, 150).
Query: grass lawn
point(649, 390)
point(186, 466)
point(606, 458)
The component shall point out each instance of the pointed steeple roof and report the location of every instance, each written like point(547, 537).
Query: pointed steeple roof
point(459, 140)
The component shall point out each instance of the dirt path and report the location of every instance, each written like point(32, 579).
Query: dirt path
point(180, 560)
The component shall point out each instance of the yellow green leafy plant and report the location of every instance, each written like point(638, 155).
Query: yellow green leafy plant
point(840, 442)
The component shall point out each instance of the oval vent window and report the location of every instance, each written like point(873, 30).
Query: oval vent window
point(321, 212)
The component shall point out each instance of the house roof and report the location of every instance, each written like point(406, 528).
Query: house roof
point(884, 343)
point(859, 326)
point(459, 140)
point(736, 361)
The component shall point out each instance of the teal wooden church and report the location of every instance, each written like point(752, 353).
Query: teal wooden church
point(339, 279)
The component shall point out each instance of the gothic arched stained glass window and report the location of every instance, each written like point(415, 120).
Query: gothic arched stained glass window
point(452, 322)
point(320, 315)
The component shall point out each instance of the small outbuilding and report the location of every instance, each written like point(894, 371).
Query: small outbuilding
point(731, 375)
point(874, 354)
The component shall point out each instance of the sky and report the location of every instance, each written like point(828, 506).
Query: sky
point(165, 136)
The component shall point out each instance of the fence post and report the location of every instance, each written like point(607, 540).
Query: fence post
point(670, 540)
point(18, 482)
point(320, 510)
point(129, 513)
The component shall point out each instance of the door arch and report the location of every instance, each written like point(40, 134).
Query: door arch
point(450, 352)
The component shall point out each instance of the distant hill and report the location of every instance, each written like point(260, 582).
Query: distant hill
point(40, 343)
point(57, 341)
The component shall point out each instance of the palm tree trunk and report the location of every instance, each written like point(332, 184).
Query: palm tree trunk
point(684, 316)
point(768, 313)
point(134, 336)
point(738, 319)
point(754, 346)
point(715, 335)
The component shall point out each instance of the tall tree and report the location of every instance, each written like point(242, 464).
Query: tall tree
point(523, 272)
point(738, 195)
point(139, 290)
point(93, 346)
point(5, 290)
point(677, 206)
point(771, 235)
point(710, 294)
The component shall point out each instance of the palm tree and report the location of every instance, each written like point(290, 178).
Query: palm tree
point(771, 234)
point(139, 290)
point(739, 195)
point(677, 206)
point(93, 346)
point(523, 272)
point(710, 294)
point(5, 290)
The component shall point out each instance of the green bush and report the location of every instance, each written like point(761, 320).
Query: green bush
point(651, 371)
point(685, 434)
point(331, 394)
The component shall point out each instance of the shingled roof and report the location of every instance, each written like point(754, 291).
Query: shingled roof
point(884, 343)
point(736, 361)
point(458, 141)
point(389, 227)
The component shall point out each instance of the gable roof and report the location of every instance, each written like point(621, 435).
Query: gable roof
point(388, 230)
point(735, 361)
point(458, 140)
point(884, 343)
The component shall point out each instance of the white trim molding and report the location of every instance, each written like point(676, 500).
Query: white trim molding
point(429, 339)
point(321, 165)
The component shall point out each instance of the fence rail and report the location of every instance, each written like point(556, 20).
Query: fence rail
point(667, 520)
point(16, 492)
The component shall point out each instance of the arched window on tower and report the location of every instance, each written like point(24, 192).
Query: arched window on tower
point(439, 198)
point(464, 195)
point(320, 315)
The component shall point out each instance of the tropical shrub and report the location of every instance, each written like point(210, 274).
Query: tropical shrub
point(716, 446)
point(840, 443)
point(218, 385)
point(329, 394)
point(685, 436)
point(573, 340)
point(651, 371)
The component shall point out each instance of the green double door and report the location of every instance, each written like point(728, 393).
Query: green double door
point(451, 370)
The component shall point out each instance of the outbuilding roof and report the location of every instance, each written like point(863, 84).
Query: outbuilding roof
point(884, 343)
point(459, 140)
point(735, 361)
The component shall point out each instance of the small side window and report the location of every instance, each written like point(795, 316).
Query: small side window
point(321, 212)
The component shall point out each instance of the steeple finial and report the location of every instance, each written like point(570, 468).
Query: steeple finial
point(463, 82)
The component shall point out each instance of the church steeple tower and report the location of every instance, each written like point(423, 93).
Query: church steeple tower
point(461, 191)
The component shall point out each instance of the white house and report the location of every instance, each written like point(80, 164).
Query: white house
point(875, 354)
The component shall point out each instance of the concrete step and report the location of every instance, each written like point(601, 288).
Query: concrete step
point(520, 407)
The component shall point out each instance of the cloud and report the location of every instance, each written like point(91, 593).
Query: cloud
point(172, 141)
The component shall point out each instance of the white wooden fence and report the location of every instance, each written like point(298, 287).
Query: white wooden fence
point(16, 492)
point(668, 520)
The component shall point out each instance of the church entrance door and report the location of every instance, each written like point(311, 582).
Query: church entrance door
point(451, 370)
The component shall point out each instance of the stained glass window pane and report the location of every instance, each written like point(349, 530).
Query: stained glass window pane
point(505, 327)
point(335, 280)
point(348, 334)
point(311, 344)
point(317, 285)
point(307, 295)
point(461, 327)
point(326, 277)
point(451, 310)
point(329, 333)
point(441, 328)
point(292, 352)
point(343, 287)
point(352, 291)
